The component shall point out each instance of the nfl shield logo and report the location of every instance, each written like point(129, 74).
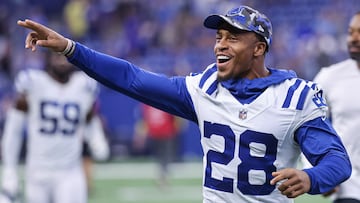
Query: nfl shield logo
point(243, 114)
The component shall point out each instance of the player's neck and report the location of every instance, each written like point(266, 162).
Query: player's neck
point(258, 69)
point(260, 73)
point(61, 78)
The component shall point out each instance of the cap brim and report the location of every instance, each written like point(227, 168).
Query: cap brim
point(215, 21)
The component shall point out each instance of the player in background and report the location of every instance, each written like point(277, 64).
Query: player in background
point(160, 130)
point(95, 148)
point(254, 120)
point(338, 81)
point(56, 105)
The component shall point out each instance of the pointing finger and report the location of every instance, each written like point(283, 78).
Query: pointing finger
point(32, 25)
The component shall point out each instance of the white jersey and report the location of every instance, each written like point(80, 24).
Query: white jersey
point(56, 117)
point(339, 82)
point(241, 144)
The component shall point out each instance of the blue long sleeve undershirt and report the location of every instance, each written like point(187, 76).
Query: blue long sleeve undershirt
point(167, 94)
point(332, 164)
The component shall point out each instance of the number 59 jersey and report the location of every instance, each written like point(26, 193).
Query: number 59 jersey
point(243, 143)
point(56, 117)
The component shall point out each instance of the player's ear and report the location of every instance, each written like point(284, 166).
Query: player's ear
point(260, 48)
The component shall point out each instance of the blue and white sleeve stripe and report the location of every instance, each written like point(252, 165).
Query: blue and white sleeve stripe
point(208, 82)
point(297, 94)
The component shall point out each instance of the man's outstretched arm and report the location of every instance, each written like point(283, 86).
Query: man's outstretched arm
point(168, 94)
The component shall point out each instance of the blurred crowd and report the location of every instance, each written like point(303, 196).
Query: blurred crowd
point(167, 36)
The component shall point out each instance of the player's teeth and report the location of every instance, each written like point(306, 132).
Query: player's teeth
point(223, 57)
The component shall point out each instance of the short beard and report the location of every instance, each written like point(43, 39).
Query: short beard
point(355, 56)
point(220, 79)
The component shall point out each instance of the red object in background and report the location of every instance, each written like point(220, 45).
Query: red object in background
point(160, 125)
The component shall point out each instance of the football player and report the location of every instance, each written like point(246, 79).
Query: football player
point(254, 120)
point(56, 106)
point(345, 108)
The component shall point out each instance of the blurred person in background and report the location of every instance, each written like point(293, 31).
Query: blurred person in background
point(338, 82)
point(75, 12)
point(95, 148)
point(160, 130)
point(254, 120)
point(57, 107)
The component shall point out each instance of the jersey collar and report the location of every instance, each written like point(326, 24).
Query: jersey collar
point(246, 91)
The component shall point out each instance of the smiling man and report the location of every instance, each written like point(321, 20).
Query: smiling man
point(254, 120)
point(242, 39)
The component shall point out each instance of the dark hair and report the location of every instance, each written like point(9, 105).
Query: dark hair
point(262, 39)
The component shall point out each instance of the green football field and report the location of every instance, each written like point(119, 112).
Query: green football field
point(136, 183)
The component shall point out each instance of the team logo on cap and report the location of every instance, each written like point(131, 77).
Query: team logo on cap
point(251, 20)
